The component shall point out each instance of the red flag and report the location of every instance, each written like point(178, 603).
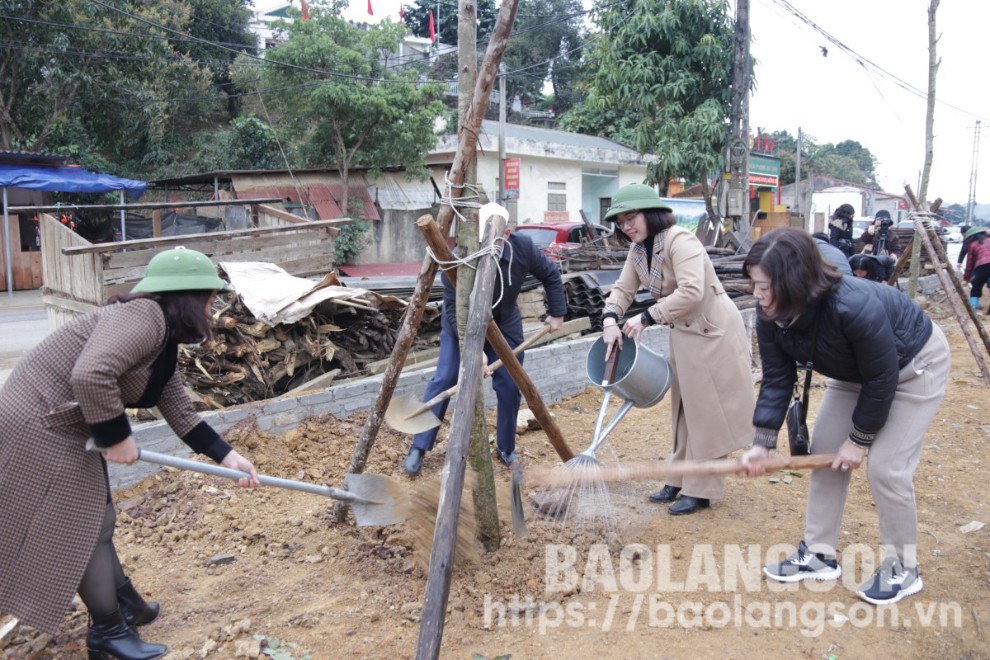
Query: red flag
point(402, 14)
point(305, 11)
point(433, 28)
point(370, 12)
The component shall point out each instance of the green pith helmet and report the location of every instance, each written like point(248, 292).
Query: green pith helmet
point(973, 231)
point(635, 197)
point(180, 269)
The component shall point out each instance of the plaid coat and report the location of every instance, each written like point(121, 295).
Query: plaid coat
point(53, 492)
point(712, 396)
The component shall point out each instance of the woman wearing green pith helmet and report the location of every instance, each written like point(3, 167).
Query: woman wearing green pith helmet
point(712, 396)
point(56, 513)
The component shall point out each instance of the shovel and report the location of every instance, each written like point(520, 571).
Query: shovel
point(372, 496)
point(406, 414)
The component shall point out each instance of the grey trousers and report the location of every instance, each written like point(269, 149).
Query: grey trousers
point(892, 460)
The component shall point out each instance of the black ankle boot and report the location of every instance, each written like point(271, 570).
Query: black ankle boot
point(110, 637)
point(136, 611)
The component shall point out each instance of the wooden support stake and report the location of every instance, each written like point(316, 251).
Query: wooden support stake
point(954, 293)
point(494, 335)
point(156, 223)
point(452, 478)
point(467, 142)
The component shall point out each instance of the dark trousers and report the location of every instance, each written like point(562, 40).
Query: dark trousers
point(508, 395)
point(980, 276)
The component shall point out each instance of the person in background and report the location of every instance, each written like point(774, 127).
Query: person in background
point(977, 271)
point(520, 258)
point(887, 365)
point(831, 254)
point(878, 237)
point(56, 512)
point(712, 395)
point(840, 229)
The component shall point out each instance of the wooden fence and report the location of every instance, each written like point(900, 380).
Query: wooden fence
point(80, 276)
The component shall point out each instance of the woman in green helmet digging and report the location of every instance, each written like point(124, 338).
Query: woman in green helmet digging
point(56, 514)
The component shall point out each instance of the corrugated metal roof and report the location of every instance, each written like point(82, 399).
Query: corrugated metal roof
point(323, 192)
point(552, 136)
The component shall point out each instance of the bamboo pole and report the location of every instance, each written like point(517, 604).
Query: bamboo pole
point(954, 293)
point(467, 141)
point(452, 477)
point(494, 335)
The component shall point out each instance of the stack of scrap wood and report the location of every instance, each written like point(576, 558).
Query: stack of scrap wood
point(249, 360)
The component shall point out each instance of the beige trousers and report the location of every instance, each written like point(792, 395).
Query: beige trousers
point(892, 460)
point(709, 486)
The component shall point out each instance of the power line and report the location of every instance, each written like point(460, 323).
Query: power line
point(866, 63)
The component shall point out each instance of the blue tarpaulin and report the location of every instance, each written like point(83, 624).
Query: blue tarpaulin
point(70, 178)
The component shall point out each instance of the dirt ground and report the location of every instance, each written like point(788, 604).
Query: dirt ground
point(266, 573)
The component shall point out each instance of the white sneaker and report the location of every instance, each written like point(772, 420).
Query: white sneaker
point(890, 583)
point(804, 565)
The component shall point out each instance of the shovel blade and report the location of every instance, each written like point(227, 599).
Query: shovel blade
point(404, 416)
point(381, 491)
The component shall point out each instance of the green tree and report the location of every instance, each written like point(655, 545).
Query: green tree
point(546, 46)
point(247, 143)
point(340, 99)
point(417, 17)
point(666, 67)
point(223, 22)
point(848, 160)
point(97, 76)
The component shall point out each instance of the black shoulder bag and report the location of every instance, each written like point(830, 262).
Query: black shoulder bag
point(797, 413)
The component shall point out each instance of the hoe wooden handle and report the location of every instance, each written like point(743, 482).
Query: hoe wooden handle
point(663, 469)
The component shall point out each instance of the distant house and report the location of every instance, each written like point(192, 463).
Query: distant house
point(552, 175)
point(821, 195)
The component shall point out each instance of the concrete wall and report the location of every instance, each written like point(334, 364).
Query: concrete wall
point(395, 238)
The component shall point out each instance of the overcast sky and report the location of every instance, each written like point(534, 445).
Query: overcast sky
point(835, 98)
point(858, 91)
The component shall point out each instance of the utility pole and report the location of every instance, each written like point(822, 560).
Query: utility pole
point(797, 175)
point(737, 207)
point(501, 134)
point(971, 202)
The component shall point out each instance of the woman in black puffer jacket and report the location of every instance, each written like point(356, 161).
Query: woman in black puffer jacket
point(887, 366)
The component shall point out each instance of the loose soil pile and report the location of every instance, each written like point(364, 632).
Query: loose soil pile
point(267, 573)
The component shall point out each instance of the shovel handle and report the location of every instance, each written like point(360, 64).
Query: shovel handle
point(220, 471)
point(451, 391)
point(611, 365)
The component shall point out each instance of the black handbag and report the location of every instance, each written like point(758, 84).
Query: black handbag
point(797, 420)
point(797, 412)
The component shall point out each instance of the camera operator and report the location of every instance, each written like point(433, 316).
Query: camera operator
point(840, 229)
point(879, 239)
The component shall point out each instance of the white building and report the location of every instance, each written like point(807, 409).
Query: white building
point(560, 174)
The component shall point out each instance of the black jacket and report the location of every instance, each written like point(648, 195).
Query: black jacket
point(867, 332)
point(520, 257)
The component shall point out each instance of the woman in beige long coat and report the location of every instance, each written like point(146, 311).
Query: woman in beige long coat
point(712, 396)
point(56, 514)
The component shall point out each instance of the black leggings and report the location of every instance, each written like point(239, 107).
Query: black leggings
point(98, 587)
